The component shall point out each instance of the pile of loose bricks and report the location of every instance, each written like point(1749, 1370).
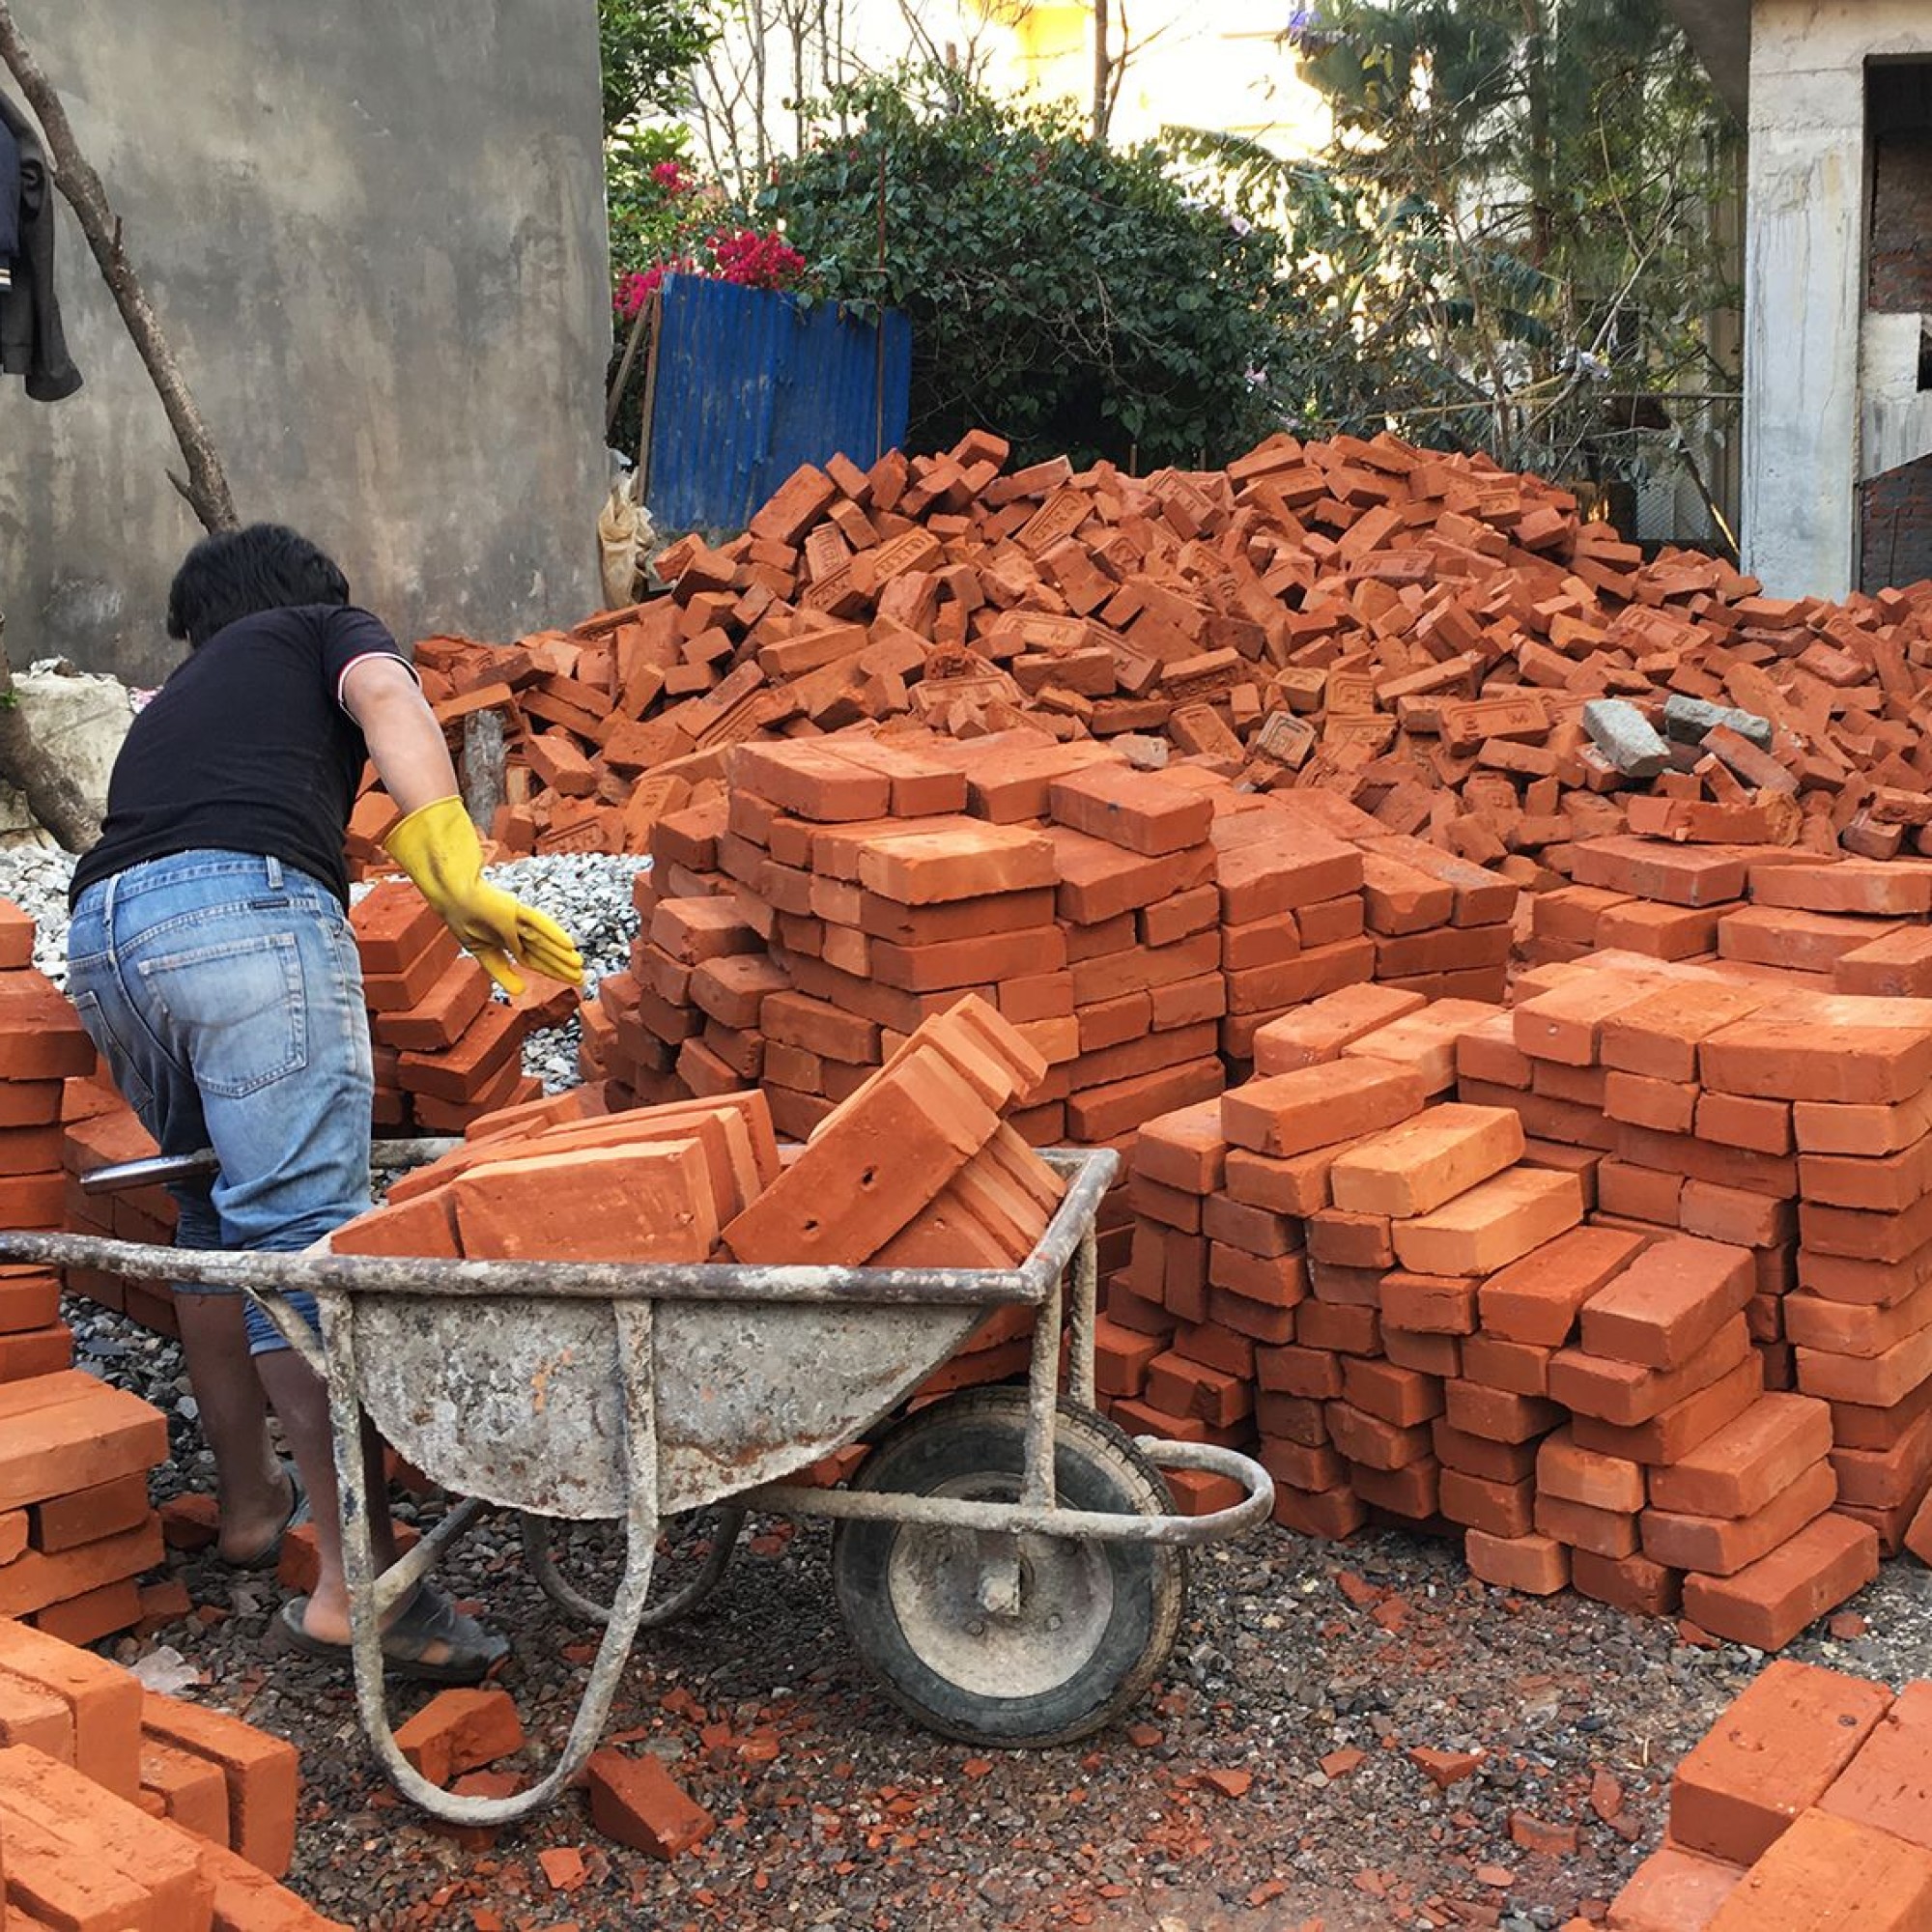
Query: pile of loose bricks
point(1137, 926)
point(447, 1051)
point(1448, 1266)
point(1451, 648)
point(1807, 1805)
point(125, 1810)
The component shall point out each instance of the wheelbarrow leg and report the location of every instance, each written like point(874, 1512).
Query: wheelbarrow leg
point(542, 1564)
point(632, 1321)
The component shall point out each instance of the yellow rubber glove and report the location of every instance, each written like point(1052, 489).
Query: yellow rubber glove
point(437, 847)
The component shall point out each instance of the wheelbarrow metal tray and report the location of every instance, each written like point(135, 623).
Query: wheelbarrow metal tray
point(506, 1380)
point(518, 1400)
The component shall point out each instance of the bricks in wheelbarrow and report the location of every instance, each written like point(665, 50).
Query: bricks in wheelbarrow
point(871, 1166)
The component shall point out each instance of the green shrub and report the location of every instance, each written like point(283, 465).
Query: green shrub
point(1068, 296)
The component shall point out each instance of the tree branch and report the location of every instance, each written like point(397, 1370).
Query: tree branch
point(207, 490)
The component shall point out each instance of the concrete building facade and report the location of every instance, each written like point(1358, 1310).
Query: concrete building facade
point(1837, 486)
point(375, 236)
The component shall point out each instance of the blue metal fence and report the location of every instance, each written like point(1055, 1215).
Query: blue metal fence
point(747, 384)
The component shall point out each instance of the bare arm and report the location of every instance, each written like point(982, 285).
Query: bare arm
point(405, 741)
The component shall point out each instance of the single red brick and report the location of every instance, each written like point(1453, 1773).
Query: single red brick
point(193, 1791)
point(1532, 1564)
point(259, 1769)
point(1632, 1584)
point(1673, 1890)
point(1772, 1754)
point(1495, 1414)
point(459, 1730)
point(1491, 1225)
point(1828, 1870)
point(1743, 1466)
point(1501, 1509)
point(1317, 1106)
point(1418, 1165)
point(30, 1714)
point(1668, 1303)
point(1578, 1475)
point(1610, 1533)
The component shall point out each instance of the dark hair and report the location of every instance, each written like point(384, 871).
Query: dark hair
point(234, 573)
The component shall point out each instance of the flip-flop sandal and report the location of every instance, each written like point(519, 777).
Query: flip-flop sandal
point(270, 1556)
point(430, 1619)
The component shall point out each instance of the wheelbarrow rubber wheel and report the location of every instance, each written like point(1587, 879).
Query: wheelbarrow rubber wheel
point(1095, 1622)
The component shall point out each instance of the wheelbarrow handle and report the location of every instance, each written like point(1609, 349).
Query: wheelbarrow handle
point(157, 1170)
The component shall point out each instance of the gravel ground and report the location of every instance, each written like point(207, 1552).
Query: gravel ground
point(1265, 1786)
point(1209, 1810)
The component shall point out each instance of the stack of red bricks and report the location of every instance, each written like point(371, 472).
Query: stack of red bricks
point(1807, 1804)
point(1829, 923)
point(99, 1129)
point(1417, 632)
point(1793, 1125)
point(1138, 927)
point(1417, 1321)
point(119, 1807)
point(445, 1049)
point(41, 1044)
point(75, 1528)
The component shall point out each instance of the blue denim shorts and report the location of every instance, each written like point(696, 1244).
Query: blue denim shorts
point(225, 992)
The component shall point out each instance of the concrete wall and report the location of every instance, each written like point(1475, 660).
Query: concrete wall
point(375, 236)
point(1830, 400)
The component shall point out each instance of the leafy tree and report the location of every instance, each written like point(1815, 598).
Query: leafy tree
point(1509, 237)
point(648, 48)
point(1071, 296)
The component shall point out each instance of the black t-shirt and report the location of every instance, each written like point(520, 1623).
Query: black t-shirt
point(247, 748)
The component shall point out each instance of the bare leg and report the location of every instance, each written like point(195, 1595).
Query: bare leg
point(301, 1403)
point(252, 1490)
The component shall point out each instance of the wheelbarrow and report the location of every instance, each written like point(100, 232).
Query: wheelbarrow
point(1007, 1561)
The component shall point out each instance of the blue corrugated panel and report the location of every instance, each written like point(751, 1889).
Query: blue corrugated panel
point(749, 385)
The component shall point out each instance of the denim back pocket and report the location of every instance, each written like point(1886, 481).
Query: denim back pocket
point(235, 1010)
